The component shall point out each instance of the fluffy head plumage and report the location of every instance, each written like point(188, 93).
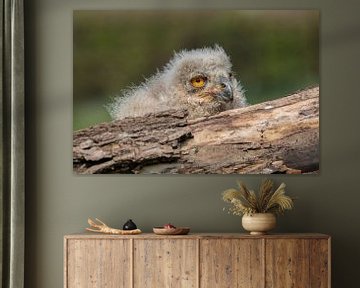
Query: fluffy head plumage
point(199, 80)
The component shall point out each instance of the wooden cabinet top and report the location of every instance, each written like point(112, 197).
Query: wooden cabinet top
point(199, 236)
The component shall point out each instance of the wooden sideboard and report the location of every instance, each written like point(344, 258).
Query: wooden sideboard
point(197, 260)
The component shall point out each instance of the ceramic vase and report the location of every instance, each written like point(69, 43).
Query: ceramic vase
point(259, 223)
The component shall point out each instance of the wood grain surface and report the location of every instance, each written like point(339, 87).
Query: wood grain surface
point(165, 263)
point(88, 235)
point(228, 263)
point(279, 136)
point(319, 263)
point(287, 263)
point(206, 260)
point(98, 263)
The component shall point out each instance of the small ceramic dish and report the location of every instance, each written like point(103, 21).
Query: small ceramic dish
point(171, 231)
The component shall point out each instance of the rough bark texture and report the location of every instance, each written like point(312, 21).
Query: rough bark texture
point(280, 136)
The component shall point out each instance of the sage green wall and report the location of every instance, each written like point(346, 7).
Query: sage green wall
point(59, 203)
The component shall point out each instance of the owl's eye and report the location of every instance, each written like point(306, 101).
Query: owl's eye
point(198, 81)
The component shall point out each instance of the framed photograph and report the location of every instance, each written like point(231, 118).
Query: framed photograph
point(163, 92)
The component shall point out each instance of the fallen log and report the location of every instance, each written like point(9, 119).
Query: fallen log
point(279, 136)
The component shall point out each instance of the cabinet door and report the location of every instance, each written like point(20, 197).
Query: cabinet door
point(98, 263)
point(320, 263)
point(165, 263)
point(297, 263)
point(231, 263)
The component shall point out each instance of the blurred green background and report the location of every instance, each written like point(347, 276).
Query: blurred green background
point(274, 52)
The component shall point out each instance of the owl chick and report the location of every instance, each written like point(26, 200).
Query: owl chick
point(198, 80)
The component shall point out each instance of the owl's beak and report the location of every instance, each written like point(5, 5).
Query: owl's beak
point(226, 91)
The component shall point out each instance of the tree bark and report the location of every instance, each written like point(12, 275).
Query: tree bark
point(279, 136)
